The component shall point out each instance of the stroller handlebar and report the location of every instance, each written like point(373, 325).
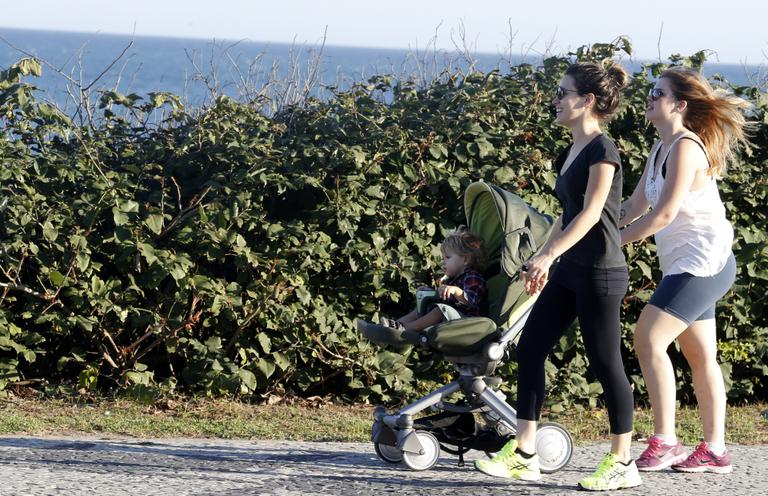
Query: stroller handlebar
point(511, 334)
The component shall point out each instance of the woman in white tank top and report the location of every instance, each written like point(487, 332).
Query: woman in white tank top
point(698, 239)
point(699, 128)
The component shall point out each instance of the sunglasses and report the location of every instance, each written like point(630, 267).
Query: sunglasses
point(655, 93)
point(560, 92)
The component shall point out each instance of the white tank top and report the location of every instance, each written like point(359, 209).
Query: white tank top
point(698, 241)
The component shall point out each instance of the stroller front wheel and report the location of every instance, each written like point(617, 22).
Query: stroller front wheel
point(554, 445)
point(387, 453)
point(428, 456)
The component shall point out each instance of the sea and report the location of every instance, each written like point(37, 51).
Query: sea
point(198, 70)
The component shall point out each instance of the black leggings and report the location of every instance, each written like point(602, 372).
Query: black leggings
point(595, 302)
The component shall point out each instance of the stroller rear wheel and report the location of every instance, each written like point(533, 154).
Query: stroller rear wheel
point(387, 453)
point(554, 445)
point(429, 455)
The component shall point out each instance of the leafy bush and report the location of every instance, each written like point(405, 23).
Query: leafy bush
point(219, 250)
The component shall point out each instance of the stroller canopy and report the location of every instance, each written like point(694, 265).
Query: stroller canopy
point(512, 231)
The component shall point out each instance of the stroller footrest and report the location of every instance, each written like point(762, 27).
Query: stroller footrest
point(387, 336)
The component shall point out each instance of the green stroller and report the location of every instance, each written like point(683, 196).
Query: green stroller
point(475, 346)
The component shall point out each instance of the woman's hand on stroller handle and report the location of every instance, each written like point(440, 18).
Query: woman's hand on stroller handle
point(535, 273)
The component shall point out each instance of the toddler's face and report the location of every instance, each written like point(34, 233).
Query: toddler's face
point(453, 263)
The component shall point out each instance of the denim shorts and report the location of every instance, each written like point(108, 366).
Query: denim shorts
point(691, 298)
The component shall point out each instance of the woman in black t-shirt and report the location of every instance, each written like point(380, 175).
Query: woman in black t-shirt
point(589, 283)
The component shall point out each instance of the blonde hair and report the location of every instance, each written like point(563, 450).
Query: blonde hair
point(467, 244)
point(713, 114)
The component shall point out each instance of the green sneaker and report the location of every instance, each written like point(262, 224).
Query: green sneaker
point(510, 464)
point(612, 474)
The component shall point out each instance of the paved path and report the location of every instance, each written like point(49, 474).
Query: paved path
point(42, 466)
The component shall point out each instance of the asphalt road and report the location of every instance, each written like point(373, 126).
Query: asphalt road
point(80, 466)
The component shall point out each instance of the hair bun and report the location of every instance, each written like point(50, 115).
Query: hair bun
point(618, 75)
point(605, 80)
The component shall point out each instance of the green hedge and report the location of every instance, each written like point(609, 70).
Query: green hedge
point(221, 251)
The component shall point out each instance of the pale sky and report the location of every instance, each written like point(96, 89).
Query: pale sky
point(735, 30)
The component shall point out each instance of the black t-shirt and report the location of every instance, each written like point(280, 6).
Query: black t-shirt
point(601, 246)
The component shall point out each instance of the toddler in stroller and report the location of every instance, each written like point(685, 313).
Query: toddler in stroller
point(511, 232)
point(462, 288)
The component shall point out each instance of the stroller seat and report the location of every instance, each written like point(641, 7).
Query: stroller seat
point(512, 231)
point(461, 337)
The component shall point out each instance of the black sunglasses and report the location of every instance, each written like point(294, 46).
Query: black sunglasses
point(655, 93)
point(560, 92)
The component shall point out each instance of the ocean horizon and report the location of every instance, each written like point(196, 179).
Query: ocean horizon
point(189, 67)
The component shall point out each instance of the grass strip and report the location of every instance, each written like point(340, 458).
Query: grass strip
point(306, 421)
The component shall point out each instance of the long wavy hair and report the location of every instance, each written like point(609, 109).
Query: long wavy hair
point(715, 115)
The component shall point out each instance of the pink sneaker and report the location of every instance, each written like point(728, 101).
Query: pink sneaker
point(703, 460)
point(658, 456)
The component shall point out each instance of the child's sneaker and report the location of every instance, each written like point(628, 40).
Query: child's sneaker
point(612, 474)
point(392, 323)
point(510, 464)
point(658, 455)
point(704, 460)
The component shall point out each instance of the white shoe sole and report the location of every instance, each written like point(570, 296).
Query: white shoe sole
point(626, 485)
point(699, 470)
